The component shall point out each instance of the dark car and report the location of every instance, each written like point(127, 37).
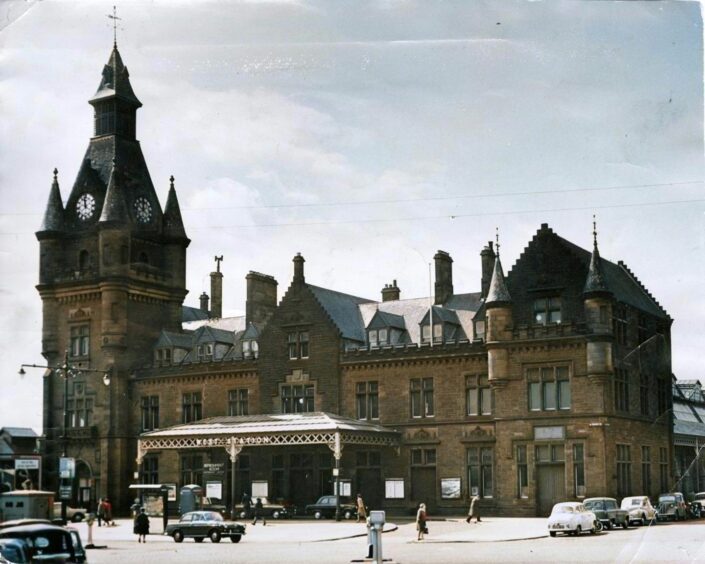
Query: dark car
point(47, 542)
point(269, 509)
point(671, 507)
point(325, 507)
point(201, 524)
point(15, 550)
point(608, 512)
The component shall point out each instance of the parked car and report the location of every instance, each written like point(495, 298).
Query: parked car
point(201, 524)
point(607, 510)
point(698, 504)
point(269, 509)
point(213, 504)
point(48, 542)
point(73, 514)
point(325, 508)
point(672, 507)
point(640, 509)
point(572, 518)
point(15, 550)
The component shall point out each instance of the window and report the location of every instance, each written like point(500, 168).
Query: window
point(547, 310)
point(367, 400)
point(480, 472)
point(423, 457)
point(549, 388)
point(579, 469)
point(437, 333)
point(297, 398)
point(250, 348)
point(150, 470)
point(621, 390)
point(624, 470)
point(79, 408)
point(550, 453)
point(644, 393)
point(298, 345)
point(394, 488)
point(80, 341)
point(191, 407)
point(150, 413)
point(237, 402)
point(162, 356)
point(368, 459)
point(619, 323)
point(663, 469)
point(205, 352)
point(522, 472)
point(191, 469)
point(378, 337)
point(646, 470)
point(421, 393)
point(478, 396)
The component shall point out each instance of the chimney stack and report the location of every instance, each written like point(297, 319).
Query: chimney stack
point(204, 302)
point(487, 256)
point(299, 268)
point(261, 298)
point(217, 290)
point(390, 292)
point(444, 277)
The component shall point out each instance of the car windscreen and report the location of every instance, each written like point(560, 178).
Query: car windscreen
point(593, 505)
point(666, 499)
point(563, 509)
point(212, 516)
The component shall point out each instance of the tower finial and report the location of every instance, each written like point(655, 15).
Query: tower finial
point(171, 180)
point(497, 239)
point(56, 173)
point(115, 18)
point(594, 231)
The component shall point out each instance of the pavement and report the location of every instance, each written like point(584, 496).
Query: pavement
point(450, 530)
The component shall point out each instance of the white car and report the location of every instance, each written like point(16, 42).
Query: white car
point(572, 518)
point(640, 509)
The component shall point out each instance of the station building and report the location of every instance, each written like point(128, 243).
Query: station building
point(549, 383)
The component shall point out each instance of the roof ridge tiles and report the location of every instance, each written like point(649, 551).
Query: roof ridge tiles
point(638, 282)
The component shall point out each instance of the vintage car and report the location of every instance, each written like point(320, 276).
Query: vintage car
point(572, 518)
point(607, 510)
point(672, 507)
point(15, 550)
point(73, 514)
point(201, 524)
point(269, 509)
point(698, 504)
point(640, 509)
point(48, 542)
point(325, 507)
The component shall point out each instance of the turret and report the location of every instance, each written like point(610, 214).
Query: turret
point(499, 321)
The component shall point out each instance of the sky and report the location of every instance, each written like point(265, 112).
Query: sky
point(368, 135)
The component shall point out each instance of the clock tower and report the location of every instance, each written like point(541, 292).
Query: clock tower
point(111, 277)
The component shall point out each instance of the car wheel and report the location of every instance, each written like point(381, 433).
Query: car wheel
point(625, 524)
point(552, 533)
point(578, 530)
point(77, 518)
point(318, 515)
point(178, 536)
point(236, 538)
point(198, 539)
point(276, 514)
point(610, 525)
point(348, 515)
point(243, 515)
point(214, 535)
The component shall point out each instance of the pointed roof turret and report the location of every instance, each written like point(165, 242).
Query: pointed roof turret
point(595, 283)
point(497, 295)
point(115, 82)
point(114, 207)
point(173, 224)
point(54, 212)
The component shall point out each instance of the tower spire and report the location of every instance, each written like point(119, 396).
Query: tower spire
point(114, 207)
point(173, 224)
point(54, 212)
point(498, 294)
point(595, 282)
point(115, 18)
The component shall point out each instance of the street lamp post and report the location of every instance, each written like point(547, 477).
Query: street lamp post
point(66, 371)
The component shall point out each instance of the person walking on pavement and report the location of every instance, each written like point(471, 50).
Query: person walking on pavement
point(108, 511)
point(474, 509)
point(246, 504)
point(100, 512)
point(259, 513)
point(361, 509)
point(141, 526)
point(421, 521)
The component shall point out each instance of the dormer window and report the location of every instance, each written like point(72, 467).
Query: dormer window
point(205, 352)
point(437, 333)
point(162, 356)
point(250, 348)
point(547, 310)
point(378, 337)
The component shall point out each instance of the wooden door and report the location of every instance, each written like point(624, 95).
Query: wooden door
point(369, 484)
point(423, 487)
point(550, 481)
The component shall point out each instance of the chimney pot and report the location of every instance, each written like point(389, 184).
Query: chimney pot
point(390, 292)
point(444, 277)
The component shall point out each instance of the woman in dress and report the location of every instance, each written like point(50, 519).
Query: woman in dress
point(421, 521)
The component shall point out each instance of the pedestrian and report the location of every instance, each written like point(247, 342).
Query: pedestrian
point(361, 509)
point(421, 521)
point(246, 504)
point(474, 509)
point(141, 526)
point(108, 508)
point(259, 512)
point(100, 512)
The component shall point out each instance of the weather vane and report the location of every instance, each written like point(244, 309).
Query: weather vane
point(115, 18)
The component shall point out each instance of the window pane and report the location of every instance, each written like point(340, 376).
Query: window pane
point(534, 396)
point(549, 395)
point(416, 456)
point(486, 401)
point(472, 401)
point(382, 336)
point(428, 403)
point(564, 394)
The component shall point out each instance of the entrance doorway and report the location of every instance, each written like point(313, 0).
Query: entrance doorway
point(550, 482)
point(369, 484)
point(423, 486)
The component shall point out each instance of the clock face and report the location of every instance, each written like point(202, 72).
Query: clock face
point(85, 207)
point(143, 210)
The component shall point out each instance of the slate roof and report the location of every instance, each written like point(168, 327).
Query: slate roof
point(208, 333)
point(189, 314)
point(386, 319)
point(19, 432)
point(115, 81)
point(344, 310)
point(498, 292)
point(54, 212)
point(171, 339)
